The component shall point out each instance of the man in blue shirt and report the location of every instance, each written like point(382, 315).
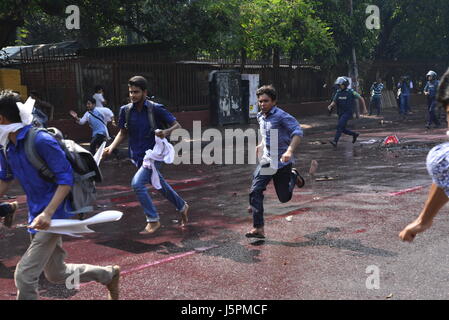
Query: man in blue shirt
point(281, 135)
point(430, 90)
point(96, 121)
point(134, 123)
point(376, 96)
point(46, 201)
point(344, 100)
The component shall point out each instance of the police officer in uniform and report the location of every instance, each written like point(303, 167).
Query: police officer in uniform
point(344, 100)
point(430, 90)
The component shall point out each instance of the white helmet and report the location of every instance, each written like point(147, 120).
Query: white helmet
point(342, 80)
point(432, 74)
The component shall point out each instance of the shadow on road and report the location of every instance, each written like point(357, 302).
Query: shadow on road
point(319, 239)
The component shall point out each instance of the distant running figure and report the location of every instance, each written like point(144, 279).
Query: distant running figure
point(344, 100)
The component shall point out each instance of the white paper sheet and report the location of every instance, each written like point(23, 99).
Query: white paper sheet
point(75, 227)
point(99, 153)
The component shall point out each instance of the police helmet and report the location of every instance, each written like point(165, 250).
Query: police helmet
point(56, 133)
point(432, 74)
point(342, 80)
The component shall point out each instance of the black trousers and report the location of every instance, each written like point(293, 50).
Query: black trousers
point(284, 182)
point(96, 142)
point(5, 208)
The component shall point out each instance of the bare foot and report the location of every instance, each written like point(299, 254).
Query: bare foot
point(313, 167)
point(151, 227)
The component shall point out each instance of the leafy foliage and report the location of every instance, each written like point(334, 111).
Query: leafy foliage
point(316, 31)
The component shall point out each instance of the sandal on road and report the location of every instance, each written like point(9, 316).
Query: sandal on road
point(254, 234)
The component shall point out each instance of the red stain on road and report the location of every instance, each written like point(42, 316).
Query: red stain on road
point(401, 192)
point(158, 262)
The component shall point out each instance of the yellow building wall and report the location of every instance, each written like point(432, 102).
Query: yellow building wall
point(10, 79)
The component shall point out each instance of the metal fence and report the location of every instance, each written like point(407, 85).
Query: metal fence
point(66, 78)
point(181, 86)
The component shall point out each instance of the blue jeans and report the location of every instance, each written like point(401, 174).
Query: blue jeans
point(375, 102)
point(284, 183)
point(404, 104)
point(431, 109)
point(140, 179)
point(341, 126)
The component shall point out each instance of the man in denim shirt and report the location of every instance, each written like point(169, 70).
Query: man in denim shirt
point(281, 134)
point(141, 138)
point(46, 201)
point(376, 96)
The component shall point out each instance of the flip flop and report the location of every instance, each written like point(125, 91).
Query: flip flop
point(254, 235)
point(299, 180)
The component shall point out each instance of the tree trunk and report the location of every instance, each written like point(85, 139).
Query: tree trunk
point(242, 59)
point(276, 58)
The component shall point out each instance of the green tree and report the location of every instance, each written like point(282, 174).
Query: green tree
point(413, 29)
point(270, 28)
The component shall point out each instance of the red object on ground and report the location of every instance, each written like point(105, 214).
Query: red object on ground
point(391, 140)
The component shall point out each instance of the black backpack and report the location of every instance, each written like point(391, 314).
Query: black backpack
point(152, 121)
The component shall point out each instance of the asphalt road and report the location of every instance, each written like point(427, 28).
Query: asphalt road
point(343, 230)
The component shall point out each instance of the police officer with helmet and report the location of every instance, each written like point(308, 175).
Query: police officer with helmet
point(430, 90)
point(344, 99)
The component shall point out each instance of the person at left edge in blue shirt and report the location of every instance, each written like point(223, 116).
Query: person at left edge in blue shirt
point(344, 100)
point(430, 90)
point(141, 137)
point(277, 161)
point(47, 200)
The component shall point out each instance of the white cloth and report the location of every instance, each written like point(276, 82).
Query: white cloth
point(107, 114)
point(73, 228)
point(99, 99)
point(6, 129)
point(26, 115)
point(162, 151)
point(26, 111)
